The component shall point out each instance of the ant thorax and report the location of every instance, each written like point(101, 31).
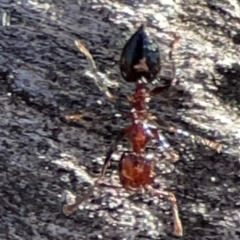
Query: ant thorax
point(139, 101)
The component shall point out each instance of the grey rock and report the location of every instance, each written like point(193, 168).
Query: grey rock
point(43, 78)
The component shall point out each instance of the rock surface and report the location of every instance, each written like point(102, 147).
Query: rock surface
point(43, 77)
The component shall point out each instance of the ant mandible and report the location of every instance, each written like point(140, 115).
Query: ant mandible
point(140, 63)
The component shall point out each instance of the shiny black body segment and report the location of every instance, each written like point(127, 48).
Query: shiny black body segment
point(140, 58)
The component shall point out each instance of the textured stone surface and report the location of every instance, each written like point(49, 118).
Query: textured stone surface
point(43, 77)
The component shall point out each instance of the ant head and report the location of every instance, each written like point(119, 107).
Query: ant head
point(140, 58)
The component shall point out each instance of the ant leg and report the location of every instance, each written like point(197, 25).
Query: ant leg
point(194, 138)
point(68, 209)
point(174, 46)
point(73, 118)
point(178, 230)
point(173, 78)
point(174, 157)
point(197, 139)
point(97, 79)
point(159, 90)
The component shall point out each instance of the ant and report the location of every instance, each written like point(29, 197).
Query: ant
point(139, 63)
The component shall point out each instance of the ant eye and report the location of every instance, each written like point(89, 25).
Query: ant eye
point(140, 58)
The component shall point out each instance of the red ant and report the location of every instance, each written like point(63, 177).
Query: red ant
point(139, 63)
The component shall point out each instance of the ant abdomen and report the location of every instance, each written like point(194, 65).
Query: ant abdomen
point(135, 171)
point(140, 58)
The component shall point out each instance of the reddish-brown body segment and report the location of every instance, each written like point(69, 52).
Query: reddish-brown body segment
point(137, 137)
point(135, 171)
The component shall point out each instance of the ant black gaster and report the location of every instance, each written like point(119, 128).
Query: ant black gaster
point(140, 63)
